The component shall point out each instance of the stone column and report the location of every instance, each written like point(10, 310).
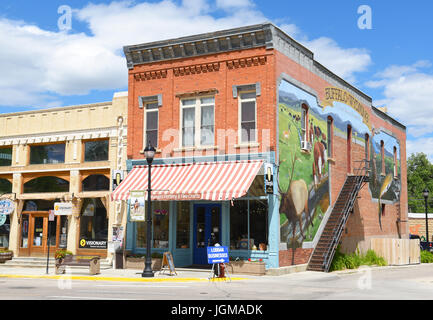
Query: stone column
point(74, 220)
point(14, 235)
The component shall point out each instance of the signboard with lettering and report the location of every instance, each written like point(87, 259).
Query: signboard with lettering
point(63, 208)
point(6, 206)
point(93, 244)
point(217, 255)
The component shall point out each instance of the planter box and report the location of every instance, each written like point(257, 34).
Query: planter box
point(138, 263)
point(4, 256)
point(246, 267)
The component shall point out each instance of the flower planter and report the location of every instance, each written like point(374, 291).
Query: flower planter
point(4, 256)
point(247, 267)
point(138, 263)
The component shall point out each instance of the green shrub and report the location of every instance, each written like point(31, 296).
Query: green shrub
point(343, 261)
point(426, 256)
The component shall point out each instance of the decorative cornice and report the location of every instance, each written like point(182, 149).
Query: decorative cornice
point(196, 69)
point(246, 62)
point(150, 75)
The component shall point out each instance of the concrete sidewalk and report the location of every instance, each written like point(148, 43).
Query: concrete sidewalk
point(110, 274)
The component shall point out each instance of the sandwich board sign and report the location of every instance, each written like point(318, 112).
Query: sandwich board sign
point(218, 254)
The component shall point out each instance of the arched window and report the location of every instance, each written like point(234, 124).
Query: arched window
point(46, 184)
point(96, 182)
point(5, 186)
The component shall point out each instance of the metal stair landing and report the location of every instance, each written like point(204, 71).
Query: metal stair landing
point(324, 251)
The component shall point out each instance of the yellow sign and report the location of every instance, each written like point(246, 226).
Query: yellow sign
point(336, 94)
point(83, 242)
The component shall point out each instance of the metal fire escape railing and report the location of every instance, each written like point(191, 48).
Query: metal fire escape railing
point(360, 180)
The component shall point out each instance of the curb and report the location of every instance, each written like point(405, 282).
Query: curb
point(119, 279)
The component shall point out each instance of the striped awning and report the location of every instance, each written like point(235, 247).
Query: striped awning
point(216, 181)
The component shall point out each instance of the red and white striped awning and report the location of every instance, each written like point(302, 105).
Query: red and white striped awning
point(216, 181)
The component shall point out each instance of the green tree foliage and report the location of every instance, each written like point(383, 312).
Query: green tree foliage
point(419, 177)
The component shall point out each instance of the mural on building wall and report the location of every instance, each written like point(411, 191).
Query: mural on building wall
point(385, 177)
point(303, 179)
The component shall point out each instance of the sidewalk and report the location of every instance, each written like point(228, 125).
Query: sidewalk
point(110, 274)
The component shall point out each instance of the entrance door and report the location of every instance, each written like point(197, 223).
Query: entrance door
point(207, 230)
point(35, 230)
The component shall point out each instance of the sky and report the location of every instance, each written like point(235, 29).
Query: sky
point(69, 52)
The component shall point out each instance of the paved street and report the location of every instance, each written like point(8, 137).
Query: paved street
point(391, 283)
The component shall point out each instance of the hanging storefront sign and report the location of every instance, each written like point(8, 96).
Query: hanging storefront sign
point(269, 178)
point(63, 208)
point(136, 205)
point(6, 206)
point(117, 177)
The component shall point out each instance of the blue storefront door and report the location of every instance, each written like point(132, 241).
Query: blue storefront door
point(207, 224)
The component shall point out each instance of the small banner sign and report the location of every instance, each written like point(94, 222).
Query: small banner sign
point(217, 255)
point(63, 208)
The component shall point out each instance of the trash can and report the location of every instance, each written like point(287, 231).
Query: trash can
point(118, 259)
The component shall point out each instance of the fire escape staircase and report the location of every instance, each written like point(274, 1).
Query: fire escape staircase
point(324, 251)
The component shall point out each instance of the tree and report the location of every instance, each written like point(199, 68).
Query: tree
point(419, 177)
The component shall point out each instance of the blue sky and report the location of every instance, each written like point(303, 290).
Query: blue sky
point(42, 66)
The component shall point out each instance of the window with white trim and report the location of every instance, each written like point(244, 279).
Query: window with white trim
point(247, 117)
point(151, 124)
point(198, 121)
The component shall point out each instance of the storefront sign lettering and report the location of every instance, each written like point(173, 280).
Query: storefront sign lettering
point(63, 208)
point(336, 94)
point(217, 255)
point(177, 196)
point(6, 206)
point(93, 244)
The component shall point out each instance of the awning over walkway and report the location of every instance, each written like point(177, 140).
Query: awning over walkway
point(214, 181)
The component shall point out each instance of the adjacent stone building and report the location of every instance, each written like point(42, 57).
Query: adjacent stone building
point(63, 155)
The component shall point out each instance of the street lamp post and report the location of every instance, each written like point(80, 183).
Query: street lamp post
point(149, 153)
point(425, 194)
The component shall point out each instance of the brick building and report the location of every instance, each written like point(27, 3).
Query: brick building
point(285, 134)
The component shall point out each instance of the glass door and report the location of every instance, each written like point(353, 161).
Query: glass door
point(36, 229)
point(207, 230)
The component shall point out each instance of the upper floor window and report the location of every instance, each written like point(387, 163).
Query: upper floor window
point(198, 121)
point(151, 124)
point(6, 156)
point(50, 153)
point(330, 134)
point(96, 150)
point(248, 116)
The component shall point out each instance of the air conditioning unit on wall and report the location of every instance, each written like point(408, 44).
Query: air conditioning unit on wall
point(306, 145)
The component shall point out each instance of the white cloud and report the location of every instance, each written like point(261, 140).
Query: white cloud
point(38, 65)
point(344, 62)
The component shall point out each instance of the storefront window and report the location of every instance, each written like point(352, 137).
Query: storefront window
point(161, 210)
point(46, 184)
point(51, 153)
point(96, 150)
point(5, 186)
point(249, 225)
point(5, 156)
point(4, 230)
point(160, 225)
point(182, 224)
point(96, 182)
point(24, 231)
point(93, 224)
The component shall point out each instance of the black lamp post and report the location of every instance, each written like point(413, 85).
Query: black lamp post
point(425, 194)
point(149, 153)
